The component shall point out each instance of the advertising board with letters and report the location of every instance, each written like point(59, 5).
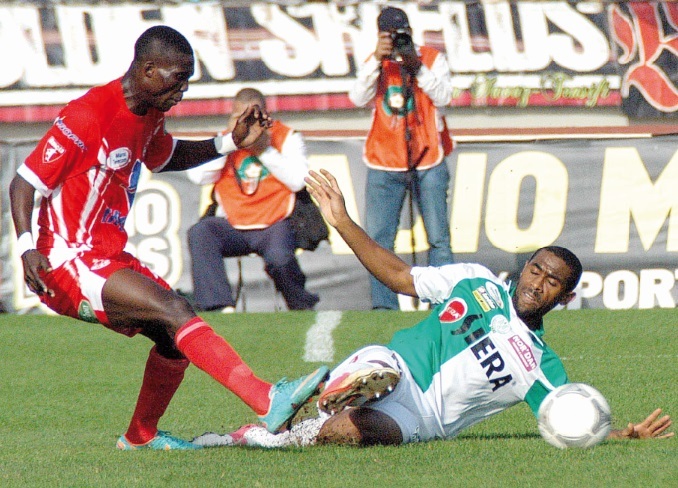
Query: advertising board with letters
point(304, 56)
point(612, 201)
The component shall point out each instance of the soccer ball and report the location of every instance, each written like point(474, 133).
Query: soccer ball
point(574, 415)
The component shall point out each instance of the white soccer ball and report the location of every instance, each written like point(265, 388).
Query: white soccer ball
point(574, 415)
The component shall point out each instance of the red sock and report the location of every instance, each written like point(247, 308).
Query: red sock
point(211, 353)
point(162, 377)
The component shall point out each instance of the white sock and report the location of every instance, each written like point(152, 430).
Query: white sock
point(302, 434)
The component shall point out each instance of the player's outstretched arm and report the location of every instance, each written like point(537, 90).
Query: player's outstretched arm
point(382, 263)
point(653, 427)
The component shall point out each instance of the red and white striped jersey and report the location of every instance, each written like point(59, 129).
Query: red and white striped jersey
point(87, 167)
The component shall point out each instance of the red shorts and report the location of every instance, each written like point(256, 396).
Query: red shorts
point(78, 283)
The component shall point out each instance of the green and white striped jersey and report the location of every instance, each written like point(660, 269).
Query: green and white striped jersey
point(472, 356)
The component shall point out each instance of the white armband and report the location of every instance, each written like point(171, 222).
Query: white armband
point(25, 243)
point(224, 144)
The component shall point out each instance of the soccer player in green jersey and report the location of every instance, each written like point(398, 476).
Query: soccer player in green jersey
point(479, 352)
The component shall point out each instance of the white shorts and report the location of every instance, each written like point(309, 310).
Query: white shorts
point(407, 404)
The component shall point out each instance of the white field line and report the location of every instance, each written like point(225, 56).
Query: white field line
point(319, 343)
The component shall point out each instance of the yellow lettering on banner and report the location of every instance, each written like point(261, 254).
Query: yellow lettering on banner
point(205, 198)
point(626, 193)
point(338, 165)
point(503, 201)
point(467, 202)
point(403, 240)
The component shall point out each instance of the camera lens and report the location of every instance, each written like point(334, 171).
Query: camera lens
point(401, 40)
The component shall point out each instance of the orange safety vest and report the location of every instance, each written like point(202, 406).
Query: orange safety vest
point(386, 146)
point(259, 199)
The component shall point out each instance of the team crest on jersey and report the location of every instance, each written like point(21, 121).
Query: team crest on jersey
point(99, 264)
point(500, 324)
point(119, 158)
point(454, 310)
point(52, 150)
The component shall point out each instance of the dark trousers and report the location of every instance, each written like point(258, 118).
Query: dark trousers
point(212, 239)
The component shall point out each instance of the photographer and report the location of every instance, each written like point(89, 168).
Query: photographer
point(407, 144)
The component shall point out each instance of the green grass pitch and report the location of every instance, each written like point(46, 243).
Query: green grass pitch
point(68, 389)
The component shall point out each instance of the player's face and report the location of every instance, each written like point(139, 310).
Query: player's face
point(170, 80)
point(541, 286)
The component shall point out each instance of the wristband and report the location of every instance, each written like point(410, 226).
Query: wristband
point(25, 243)
point(224, 144)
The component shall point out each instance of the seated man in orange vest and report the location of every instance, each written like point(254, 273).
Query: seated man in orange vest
point(255, 191)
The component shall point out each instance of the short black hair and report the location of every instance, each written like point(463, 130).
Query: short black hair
point(166, 37)
point(571, 260)
point(251, 95)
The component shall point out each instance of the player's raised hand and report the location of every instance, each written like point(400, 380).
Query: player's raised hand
point(250, 125)
point(325, 189)
point(651, 427)
point(34, 263)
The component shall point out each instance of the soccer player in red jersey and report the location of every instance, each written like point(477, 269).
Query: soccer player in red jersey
point(86, 169)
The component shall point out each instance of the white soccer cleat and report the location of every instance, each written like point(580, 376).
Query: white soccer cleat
point(358, 388)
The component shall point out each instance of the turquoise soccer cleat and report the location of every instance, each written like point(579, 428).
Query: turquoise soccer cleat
point(287, 397)
point(162, 441)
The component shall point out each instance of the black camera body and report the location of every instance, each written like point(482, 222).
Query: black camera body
point(402, 44)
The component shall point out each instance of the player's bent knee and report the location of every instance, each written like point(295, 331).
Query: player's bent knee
point(339, 429)
point(178, 310)
point(360, 427)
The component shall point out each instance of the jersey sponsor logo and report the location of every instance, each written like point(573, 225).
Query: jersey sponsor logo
point(495, 294)
point(500, 324)
point(65, 130)
point(453, 311)
point(491, 361)
point(483, 299)
point(114, 217)
point(524, 352)
point(485, 352)
point(119, 158)
point(52, 150)
point(86, 312)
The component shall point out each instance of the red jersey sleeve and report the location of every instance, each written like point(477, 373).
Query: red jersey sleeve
point(68, 148)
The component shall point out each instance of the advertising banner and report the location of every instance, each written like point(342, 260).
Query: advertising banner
point(611, 201)
point(304, 56)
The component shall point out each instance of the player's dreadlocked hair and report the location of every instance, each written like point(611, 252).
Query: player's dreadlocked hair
point(165, 37)
point(570, 259)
